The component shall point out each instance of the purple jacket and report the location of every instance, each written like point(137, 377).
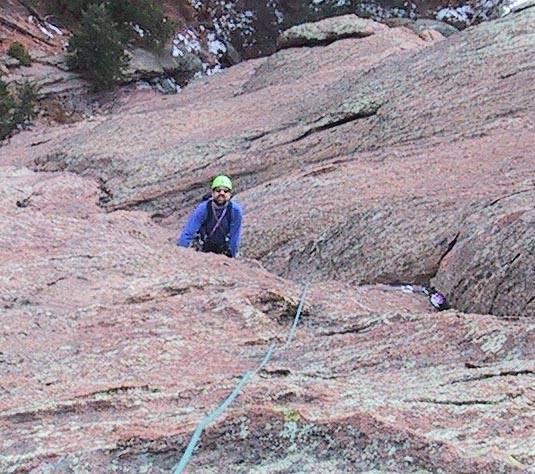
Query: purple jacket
point(199, 216)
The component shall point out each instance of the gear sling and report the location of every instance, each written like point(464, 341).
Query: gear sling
point(213, 236)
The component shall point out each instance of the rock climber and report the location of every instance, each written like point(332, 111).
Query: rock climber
point(215, 224)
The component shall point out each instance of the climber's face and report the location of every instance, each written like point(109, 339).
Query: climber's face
point(221, 195)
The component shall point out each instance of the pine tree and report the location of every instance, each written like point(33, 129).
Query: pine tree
point(146, 14)
point(17, 106)
point(98, 48)
point(7, 105)
point(18, 51)
point(71, 7)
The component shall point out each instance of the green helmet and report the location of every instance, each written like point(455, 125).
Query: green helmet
point(222, 181)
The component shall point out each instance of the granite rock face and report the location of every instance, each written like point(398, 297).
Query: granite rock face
point(497, 244)
point(362, 164)
point(371, 159)
point(324, 32)
point(115, 345)
point(208, 36)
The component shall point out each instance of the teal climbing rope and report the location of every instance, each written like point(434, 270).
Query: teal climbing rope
point(179, 468)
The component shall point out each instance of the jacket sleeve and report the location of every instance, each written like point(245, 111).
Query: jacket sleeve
point(193, 226)
point(235, 229)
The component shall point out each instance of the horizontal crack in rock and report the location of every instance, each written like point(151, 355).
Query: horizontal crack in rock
point(167, 292)
point(331, 120)
point(70, 257)
point(52, 283)
point(488, 376)
point(121, 389)
point(263, 342)
point(509, 195)
point(464, 402)
point(312, 42)
point(276, 372)
point(349, 330)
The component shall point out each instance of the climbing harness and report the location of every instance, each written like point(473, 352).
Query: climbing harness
point(202, 241)
point(218, 220)
point(245, 378)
